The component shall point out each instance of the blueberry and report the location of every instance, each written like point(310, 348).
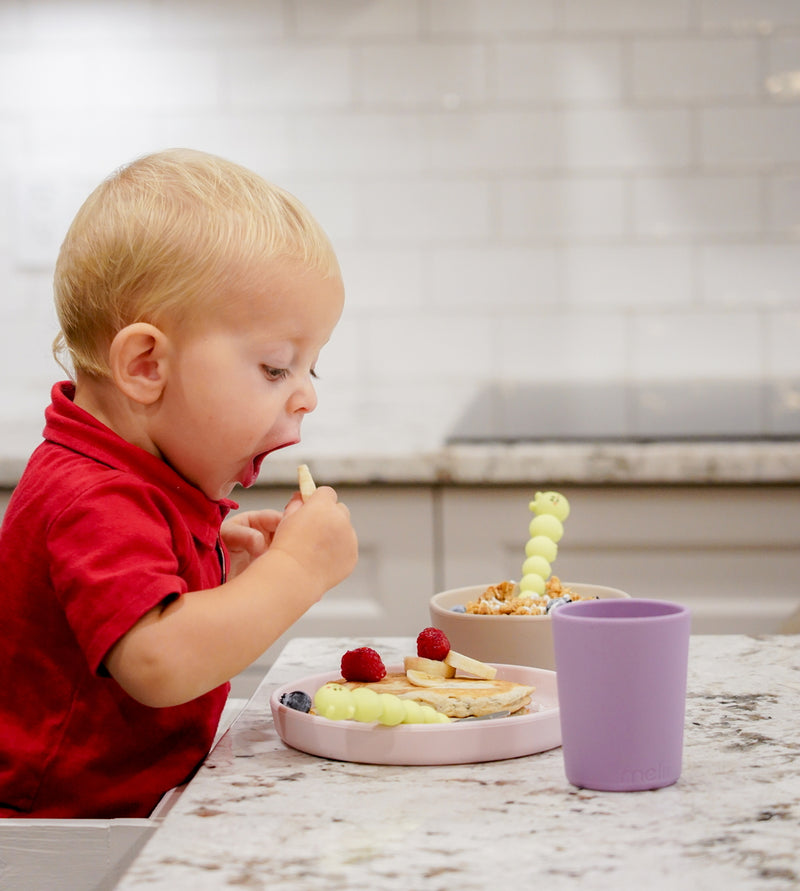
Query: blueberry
point(559, 601)
point(298, 700)
point(458, 608)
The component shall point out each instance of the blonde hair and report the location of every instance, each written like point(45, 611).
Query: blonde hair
point(160, 237)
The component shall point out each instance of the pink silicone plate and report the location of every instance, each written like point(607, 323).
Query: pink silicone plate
point(460, 742)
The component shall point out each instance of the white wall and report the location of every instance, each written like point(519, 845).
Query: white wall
point(518, 189)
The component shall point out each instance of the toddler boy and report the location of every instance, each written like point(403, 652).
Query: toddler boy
point(194, 299)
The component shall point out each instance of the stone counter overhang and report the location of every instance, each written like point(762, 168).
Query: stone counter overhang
point(700, 463)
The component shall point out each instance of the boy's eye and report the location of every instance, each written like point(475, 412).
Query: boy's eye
point(274, 374)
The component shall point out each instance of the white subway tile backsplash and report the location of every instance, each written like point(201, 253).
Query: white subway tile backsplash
point(695, 69)
point(86, 23)
point(429, 212)
point(56, 144)
point(333, 205)
point(340, 361)
point(348, 19)
point(479, 18)
point(27, 349)
point(347, 143)
point(504, 278)
point(783, 204)
point(555, 208)
point(497, 141)
point(13, 25)
point(193, 21)
point(549, 71)
point(10, 286)
point(380, 279)
point(625, 16)
point(156, 80)
point(428, 345)
point(6, 198)
point(555, 346)
point(42, 208)
point(696, 345)
point(629, 276)
point(402, 415)
point(782, 344)
point(757, 16)
point(36, 80)
point(751, 137)
point(336, 426)
point(567, 190)
point(783, 54)
point(14, 143)
point(783, 69)
point(630, 139)
point(272, 76)
point(756, 275)
point(259, 141)
point(441, 75)
point(689, 206)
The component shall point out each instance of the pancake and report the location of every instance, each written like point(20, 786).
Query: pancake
point(457, 697)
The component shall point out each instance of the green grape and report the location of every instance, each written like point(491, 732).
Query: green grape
point(414, 713)
point(550, 503)
point(392, 709)
point(431, 716)
point(545, 530)
point(335, 702)
point(541, 546)
point(536, 566)
point(338, 703)
point(547, 525)
point(531, 584)
point(368, 705)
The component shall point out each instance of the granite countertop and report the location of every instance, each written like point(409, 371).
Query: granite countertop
point(589, 462)
point(765, 462)
point(260, 815)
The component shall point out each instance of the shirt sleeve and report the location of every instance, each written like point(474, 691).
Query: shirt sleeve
point(113, 557)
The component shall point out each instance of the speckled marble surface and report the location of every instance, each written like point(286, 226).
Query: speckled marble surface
point(260, 815)
point(766, 462)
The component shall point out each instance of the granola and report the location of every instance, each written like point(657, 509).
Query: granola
point(503, 599)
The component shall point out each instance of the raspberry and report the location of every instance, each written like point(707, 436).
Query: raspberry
point(432, 644)
point(362, 664)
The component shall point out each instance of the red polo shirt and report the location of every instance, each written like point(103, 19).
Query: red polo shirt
point(97, 532)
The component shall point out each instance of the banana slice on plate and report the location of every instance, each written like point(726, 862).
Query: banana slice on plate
point(432, 667)
point(421, 679)
point(470, 666)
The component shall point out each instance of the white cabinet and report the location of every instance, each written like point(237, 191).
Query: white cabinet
point(732, 554)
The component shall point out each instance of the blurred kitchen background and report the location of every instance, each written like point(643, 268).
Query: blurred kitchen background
point(595, 200)
point(519, 190)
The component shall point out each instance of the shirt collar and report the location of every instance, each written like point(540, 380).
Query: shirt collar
point(70, 426)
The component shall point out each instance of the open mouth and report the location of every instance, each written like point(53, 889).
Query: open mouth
point(251, 475)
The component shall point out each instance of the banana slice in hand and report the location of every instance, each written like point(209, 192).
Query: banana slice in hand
point(470, 666)
point(305, 482)
point(432, 667)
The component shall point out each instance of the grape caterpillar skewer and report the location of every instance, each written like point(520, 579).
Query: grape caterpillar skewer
point(545, 530)
point(337, 703)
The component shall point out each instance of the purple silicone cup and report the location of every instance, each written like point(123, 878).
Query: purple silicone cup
point(621, 674)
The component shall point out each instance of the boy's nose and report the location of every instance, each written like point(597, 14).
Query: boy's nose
point(304, 398)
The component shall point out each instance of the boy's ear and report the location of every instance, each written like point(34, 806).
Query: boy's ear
point(138, 360)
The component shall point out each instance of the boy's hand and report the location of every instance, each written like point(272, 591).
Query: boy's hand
point(248, 535)
point(319, 536)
